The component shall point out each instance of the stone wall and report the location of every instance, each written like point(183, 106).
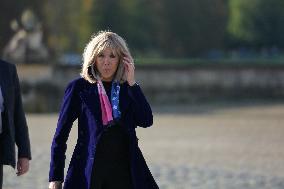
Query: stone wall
point(43, 85)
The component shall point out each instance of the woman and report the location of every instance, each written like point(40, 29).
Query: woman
point(109, 105)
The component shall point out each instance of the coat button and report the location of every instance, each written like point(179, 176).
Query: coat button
point(81, 132)
point(77, 157)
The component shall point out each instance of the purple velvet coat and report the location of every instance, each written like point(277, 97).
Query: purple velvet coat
point(81, 101)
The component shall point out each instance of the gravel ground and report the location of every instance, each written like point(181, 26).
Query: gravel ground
point(196, 147)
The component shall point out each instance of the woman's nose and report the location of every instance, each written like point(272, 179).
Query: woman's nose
point(106, 61)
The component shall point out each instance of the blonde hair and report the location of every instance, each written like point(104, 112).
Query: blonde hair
point(98, 43)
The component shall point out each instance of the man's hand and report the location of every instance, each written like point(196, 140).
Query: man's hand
point(55, 185)
point(22, 166)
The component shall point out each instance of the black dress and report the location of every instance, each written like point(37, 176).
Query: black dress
point(111, 169)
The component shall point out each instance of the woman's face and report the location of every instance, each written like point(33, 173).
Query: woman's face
point(107, 63)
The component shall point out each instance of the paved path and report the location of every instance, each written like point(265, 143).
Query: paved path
point(207, 147)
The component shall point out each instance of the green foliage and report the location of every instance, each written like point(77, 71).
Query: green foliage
point(241, 12)
point(130, 18)
point(191, 27)
point(257, 23)
point(159, 28)
point(68, 25)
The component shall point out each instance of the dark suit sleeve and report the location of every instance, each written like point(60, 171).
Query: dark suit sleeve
point(21, 128)
point(68, 114)
point(142, 111)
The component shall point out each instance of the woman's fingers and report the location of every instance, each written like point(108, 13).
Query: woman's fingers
point(128, 59)
point(129, 66)
point(128, 63)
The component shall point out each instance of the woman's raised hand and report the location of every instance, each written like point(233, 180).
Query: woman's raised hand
point(129, 67)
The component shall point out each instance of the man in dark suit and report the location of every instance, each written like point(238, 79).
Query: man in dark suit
point(13, 126)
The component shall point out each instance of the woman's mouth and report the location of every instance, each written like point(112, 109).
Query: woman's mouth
point(106, 70)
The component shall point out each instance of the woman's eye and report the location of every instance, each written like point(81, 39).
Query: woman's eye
point(100, 55)
point(112, 56)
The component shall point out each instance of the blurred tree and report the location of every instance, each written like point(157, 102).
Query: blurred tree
point(68, 25)
point(257, 23)
point(166, 28)
point(57, 26)
point(190, 28)
point(129, 18)
point(85, 29)
point(179, 28)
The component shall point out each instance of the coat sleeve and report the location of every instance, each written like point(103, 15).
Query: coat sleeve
point(142, 111)
point(68, 114)
point(21, 129)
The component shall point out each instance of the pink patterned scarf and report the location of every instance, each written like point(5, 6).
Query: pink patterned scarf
point(107, 108)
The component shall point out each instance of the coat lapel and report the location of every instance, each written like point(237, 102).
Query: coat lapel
point(124, 100)
point(90, 98)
